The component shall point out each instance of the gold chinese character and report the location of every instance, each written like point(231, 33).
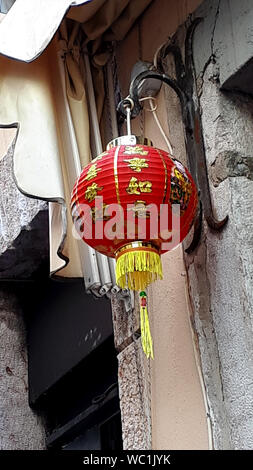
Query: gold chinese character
point(140, 209)
point(99, 157)
point(92, 172)
point(135, 150)
point(136, 164)
point(99, 213)
point(133, 186)
point(138, 187)
point(145, 186)
point(91, 192)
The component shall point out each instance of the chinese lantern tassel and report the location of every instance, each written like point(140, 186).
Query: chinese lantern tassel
point(136, 268)
point(146, 338)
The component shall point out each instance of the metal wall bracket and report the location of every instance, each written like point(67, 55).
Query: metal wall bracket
point(184, 85)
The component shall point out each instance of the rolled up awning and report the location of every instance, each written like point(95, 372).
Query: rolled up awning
point(29, 26)
point(52, 117)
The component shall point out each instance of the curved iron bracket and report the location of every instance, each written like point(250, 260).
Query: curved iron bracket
point(184, 86)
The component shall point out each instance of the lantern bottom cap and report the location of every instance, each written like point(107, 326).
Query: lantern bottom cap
point(138, 264)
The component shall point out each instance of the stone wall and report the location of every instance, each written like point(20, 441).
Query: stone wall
point(220, 271)
point(20, 427)
point(133, 377)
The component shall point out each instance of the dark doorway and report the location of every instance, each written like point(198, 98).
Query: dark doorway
point(72, 364)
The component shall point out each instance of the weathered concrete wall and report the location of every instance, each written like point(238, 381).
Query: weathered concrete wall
point(220, 271)
point(230, 23)
point(133, 377)
point(16, 210)
point(134, 386)
point(20, 427)
point(23, 221)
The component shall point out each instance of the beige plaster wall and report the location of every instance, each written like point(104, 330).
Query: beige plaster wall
point(177, 401)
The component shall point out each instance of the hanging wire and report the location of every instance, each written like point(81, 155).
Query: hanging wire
point(153, 109)
point(128, 121)
point(155, 60)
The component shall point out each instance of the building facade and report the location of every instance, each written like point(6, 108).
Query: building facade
point(197, 392)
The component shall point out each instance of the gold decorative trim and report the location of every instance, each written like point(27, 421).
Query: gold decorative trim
point(165, 176)
point(136, 245)
point(116, 179)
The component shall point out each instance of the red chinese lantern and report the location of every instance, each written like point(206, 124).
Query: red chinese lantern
point(144, 183)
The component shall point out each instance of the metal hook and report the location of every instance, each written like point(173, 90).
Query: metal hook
point(184, 86)
point(127, 105)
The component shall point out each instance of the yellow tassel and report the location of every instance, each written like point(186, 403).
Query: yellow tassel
point(146, 338)
point(136, 269)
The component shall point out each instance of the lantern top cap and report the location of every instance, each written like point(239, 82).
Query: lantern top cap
point(129, 140)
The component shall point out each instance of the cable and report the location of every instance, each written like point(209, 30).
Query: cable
point(153, 111)
point(157, 52)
